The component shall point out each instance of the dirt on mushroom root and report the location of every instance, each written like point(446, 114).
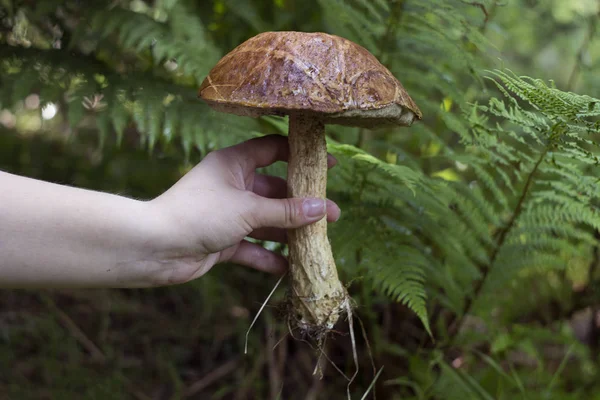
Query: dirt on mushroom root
point(311, 331)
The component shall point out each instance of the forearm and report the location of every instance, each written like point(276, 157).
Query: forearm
point(58, 236)
point(53, 235)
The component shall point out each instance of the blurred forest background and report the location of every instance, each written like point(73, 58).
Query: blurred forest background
point(469, 241)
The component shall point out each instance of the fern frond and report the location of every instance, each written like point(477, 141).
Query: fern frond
point(156, 105)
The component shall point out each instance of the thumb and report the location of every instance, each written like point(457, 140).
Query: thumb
point(288, 213)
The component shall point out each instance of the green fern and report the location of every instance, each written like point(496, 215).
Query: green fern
point(537, 165)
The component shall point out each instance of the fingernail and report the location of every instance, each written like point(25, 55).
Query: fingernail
point(313, 208)
point(332, 206)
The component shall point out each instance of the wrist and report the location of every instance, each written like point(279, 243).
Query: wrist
point(146, 243)
point(164, 254)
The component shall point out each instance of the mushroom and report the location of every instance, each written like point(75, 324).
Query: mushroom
point(316, 79)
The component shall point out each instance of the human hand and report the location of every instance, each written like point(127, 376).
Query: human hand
point(208, 214)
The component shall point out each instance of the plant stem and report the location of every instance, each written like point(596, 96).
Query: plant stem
point(582, 49)
point(364, 135)
point(457, 323)
point(390, 30)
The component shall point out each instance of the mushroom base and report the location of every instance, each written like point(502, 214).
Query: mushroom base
point(318, 298)
point(330, 310)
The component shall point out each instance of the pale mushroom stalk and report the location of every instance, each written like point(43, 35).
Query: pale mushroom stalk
point(317, 293)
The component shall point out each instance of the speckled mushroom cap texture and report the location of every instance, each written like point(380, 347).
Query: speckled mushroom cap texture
point(279, 73)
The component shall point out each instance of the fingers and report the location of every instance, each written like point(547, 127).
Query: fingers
point(331, 161)
point(255, 256)
point(270, 234)
point(280, 235)
point(260, 152)
point(289, 213)
point(333, 211)
point(264, 151)
point(274, 187)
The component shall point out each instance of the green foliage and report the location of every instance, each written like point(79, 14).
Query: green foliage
point(544, 157)
point(375, 202)
point(480, 219)
point(128, 81)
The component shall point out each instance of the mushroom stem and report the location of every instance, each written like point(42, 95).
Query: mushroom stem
point(316, 292)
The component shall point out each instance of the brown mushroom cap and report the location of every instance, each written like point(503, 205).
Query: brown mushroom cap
point(278, 73)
